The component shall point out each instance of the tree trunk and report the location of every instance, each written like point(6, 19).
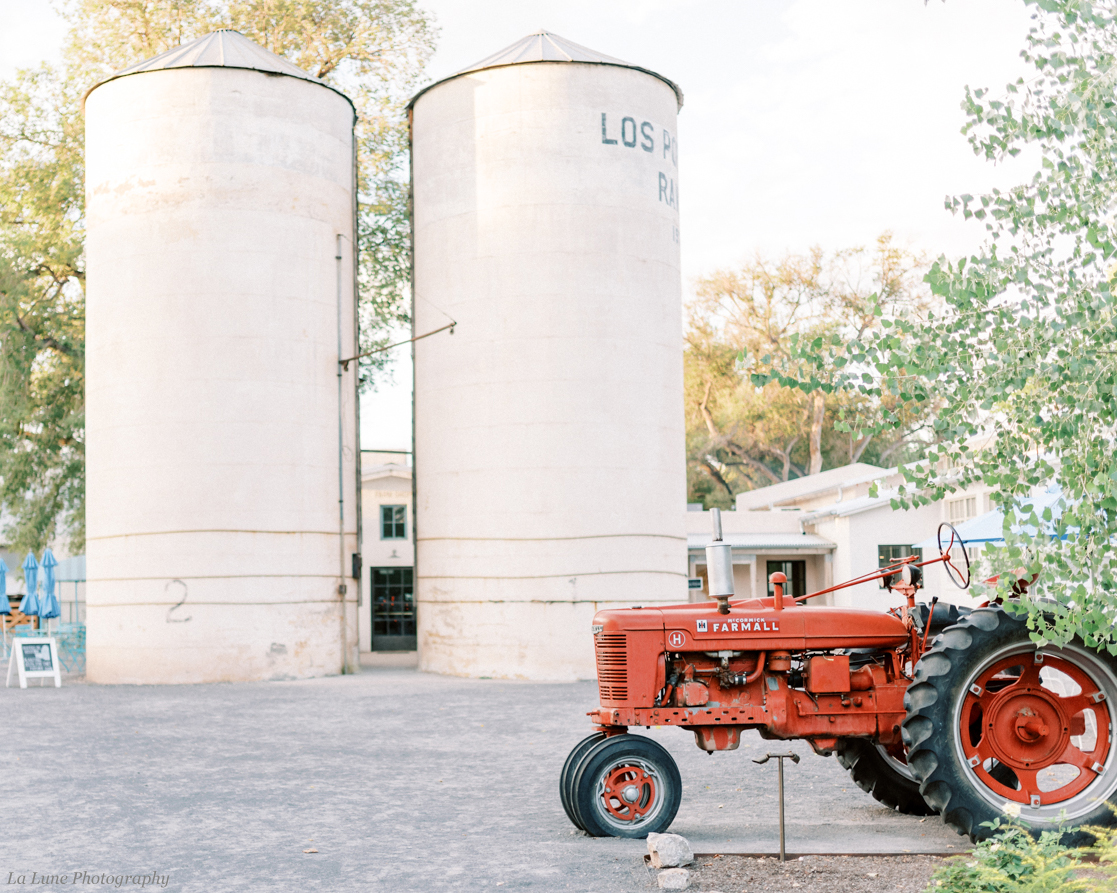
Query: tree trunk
point(716, 475)
point(818, 413)
point(859, 449)
point(704, 408)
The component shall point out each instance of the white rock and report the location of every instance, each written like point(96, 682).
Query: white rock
point(674, 879)
point(669, 850)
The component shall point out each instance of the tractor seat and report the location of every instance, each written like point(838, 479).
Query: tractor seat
point(945, 615)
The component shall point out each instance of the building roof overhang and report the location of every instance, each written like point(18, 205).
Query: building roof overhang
point(383, 472)
point(806, 543)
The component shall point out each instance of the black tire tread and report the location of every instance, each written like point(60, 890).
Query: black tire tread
point(566, 777)
point(875, 777)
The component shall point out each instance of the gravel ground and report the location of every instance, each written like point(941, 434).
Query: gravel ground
point(402, 781)
point(814, 874)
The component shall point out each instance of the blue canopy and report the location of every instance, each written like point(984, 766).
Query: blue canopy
point(49, 605)
point(989, 528)
point(30, 603)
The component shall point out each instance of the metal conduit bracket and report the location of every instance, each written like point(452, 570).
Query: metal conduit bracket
point(794, 757)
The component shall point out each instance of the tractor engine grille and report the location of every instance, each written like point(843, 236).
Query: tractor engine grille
point(612, 666)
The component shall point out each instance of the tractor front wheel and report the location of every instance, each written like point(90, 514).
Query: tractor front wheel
point(625, 786)
point(884, 773)
point(996, 725)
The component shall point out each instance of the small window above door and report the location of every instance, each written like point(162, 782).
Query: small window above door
point(393, 522)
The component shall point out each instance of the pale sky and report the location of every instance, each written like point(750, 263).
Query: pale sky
point(805, 122)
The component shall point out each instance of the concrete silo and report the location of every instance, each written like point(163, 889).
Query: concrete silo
point(220, 191)
point(549, 438)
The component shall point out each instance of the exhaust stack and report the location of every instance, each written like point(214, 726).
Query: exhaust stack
point(719, 566)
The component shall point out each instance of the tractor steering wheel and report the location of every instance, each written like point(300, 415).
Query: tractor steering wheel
point(959, 573)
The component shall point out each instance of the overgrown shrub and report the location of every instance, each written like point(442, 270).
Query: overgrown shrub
point(1012, 861)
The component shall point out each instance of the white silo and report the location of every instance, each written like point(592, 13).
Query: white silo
point(220, 438)
point(549, 437)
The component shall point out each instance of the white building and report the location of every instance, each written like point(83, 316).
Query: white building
point(386, 622)
point(824, 529)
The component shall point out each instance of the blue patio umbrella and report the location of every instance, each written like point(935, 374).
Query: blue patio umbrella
point(49, 605)
point(30, 603)
point(5, 605)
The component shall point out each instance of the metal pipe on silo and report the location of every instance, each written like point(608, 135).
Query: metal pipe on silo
point(341, 587)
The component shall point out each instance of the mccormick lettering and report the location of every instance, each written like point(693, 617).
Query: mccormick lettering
point(747, 625)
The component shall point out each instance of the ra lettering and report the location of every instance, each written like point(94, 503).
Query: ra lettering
point(667, 191)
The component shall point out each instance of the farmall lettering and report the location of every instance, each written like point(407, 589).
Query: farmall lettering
point(646, 137)
point(738, 625)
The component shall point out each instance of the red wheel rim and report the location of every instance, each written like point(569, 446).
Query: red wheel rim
point(629, 792)
point(1010, 717)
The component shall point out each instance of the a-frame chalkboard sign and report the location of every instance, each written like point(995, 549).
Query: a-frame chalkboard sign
point(34, 658)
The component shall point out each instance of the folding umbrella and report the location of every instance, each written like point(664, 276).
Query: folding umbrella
point(5, 605)
point(30, 603)
point(49, 606)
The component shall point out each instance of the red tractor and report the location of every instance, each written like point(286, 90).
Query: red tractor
point(979, 723)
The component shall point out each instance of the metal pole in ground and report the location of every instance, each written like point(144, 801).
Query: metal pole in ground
point(780, 757)
point(783, 854)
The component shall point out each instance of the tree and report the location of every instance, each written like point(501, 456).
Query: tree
point(1022, 356)
point(41, 310)
point(373, 50)
point(745, 331)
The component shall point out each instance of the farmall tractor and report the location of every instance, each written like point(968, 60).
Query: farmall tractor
point(932, 708)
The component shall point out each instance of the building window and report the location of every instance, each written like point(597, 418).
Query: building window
point(796, 573)
point(393, 608)
point(889, 555)
point(963, 509)
point(393, 522)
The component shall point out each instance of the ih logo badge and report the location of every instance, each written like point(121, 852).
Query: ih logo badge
point(738, 625)
point(676, 639)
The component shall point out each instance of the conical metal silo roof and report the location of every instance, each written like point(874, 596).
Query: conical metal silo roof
point(226, 48)
point(543, 46)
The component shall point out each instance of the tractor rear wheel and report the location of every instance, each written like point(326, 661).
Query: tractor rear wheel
point(997, 726)
point(566, 778)
point(883, 774)
point(626, 786)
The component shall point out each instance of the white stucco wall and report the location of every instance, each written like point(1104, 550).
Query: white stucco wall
point(214, 196)
point(549, 445)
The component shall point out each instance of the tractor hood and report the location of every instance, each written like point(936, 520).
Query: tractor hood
point(756, 625)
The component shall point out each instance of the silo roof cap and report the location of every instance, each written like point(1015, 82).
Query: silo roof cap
point(543, 46)
point(220, 49)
